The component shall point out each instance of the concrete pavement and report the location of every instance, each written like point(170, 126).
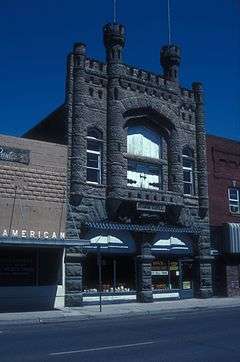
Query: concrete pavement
point(117, 310)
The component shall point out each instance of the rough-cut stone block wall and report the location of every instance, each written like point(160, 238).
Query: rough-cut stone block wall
point(39, 188)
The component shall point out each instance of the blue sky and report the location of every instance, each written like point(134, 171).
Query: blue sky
point(37, 35)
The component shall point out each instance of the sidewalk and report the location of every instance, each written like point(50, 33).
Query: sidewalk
point(117, 310)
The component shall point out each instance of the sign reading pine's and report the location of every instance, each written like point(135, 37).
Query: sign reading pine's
point(10, 154)
point(15, 233)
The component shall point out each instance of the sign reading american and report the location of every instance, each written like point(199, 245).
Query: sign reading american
point(31, 234)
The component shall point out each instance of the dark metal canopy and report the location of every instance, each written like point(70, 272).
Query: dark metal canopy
point(148, 228)
point(42, 242)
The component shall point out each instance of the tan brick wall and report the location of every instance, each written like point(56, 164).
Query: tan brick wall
point(40, 187)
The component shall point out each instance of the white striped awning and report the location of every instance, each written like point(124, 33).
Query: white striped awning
point(232, 242)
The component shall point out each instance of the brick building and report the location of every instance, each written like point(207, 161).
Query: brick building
point(32, 223)
point(137, 185)
point(224, 207)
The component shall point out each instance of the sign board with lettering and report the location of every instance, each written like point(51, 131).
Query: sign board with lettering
point(150, 207)
point(10, 154)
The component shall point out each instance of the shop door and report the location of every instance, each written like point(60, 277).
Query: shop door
point(187, 279)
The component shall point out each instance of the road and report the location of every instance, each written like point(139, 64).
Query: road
point(190, 336)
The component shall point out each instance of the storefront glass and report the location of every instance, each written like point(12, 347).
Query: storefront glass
point(118, 274)
point(30, 266)
point(171, 274)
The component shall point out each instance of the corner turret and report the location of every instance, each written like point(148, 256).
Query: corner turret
point(170, 57)
point(114, 41)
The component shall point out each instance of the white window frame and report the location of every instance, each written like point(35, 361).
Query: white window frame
point(142, 182)
point(99, 155)
point(190, 170)
point(231, 200)
point(149, 142)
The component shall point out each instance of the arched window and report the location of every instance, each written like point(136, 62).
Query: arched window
point(144, 148)
point(94, 156)
point(188, 171)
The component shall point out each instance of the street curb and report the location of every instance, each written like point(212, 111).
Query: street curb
point(97, 317)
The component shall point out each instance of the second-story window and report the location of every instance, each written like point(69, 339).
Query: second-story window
point(188, 171)
point(94, 156)
point(234, 200)
point(144, 147)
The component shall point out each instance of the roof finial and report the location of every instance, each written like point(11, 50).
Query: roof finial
point(169, 23)
point(114, 11)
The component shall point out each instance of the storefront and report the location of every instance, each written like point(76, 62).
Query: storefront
point(117, 251)
point(172, 269)
point(32, 274)
point(227, 266)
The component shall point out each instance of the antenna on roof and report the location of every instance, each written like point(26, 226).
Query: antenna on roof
point(169, 22)
point(114, 11)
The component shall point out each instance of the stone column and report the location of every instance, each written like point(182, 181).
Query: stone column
point(203, 267)
point(144, 273)
point(201, 149)
point(76, 113)
point(175, 176)
point(73, 277)
point(114, 40)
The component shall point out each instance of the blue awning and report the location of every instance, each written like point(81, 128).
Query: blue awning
point(148, 228)
point(171, 244)
point(111, 242)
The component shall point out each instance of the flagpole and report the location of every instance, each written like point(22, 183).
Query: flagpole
point(169, 22)
point(114, 11)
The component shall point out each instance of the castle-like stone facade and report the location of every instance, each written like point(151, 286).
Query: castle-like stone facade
point(136, 163)
point(104, 101)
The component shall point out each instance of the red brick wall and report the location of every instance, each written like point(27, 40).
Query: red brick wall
point(232, 274)
point(223, 168)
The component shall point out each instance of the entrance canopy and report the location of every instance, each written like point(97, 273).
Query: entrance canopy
point(232, 239)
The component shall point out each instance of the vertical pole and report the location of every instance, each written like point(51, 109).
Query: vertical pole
point(169, 23)
point(13, 210)
point(61, 215)
point(180, 275)
point(114, 274)
point(114, 11)
point(37, 267)
point(100, 276)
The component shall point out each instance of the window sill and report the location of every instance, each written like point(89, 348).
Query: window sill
point(237, 214)
point(190, 196)
point(145, 159)
point(95, 184)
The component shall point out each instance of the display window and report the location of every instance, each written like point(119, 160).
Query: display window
point(30, 267)
point(118, 274)
point(171, 274)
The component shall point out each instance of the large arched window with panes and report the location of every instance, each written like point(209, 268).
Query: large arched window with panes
point(144, 149)
point(188, 171)
point(94, 156)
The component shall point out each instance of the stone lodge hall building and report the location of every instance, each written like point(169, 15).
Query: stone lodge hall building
point(136, 177)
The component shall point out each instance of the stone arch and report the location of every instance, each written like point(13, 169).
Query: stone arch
point(150, 105)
